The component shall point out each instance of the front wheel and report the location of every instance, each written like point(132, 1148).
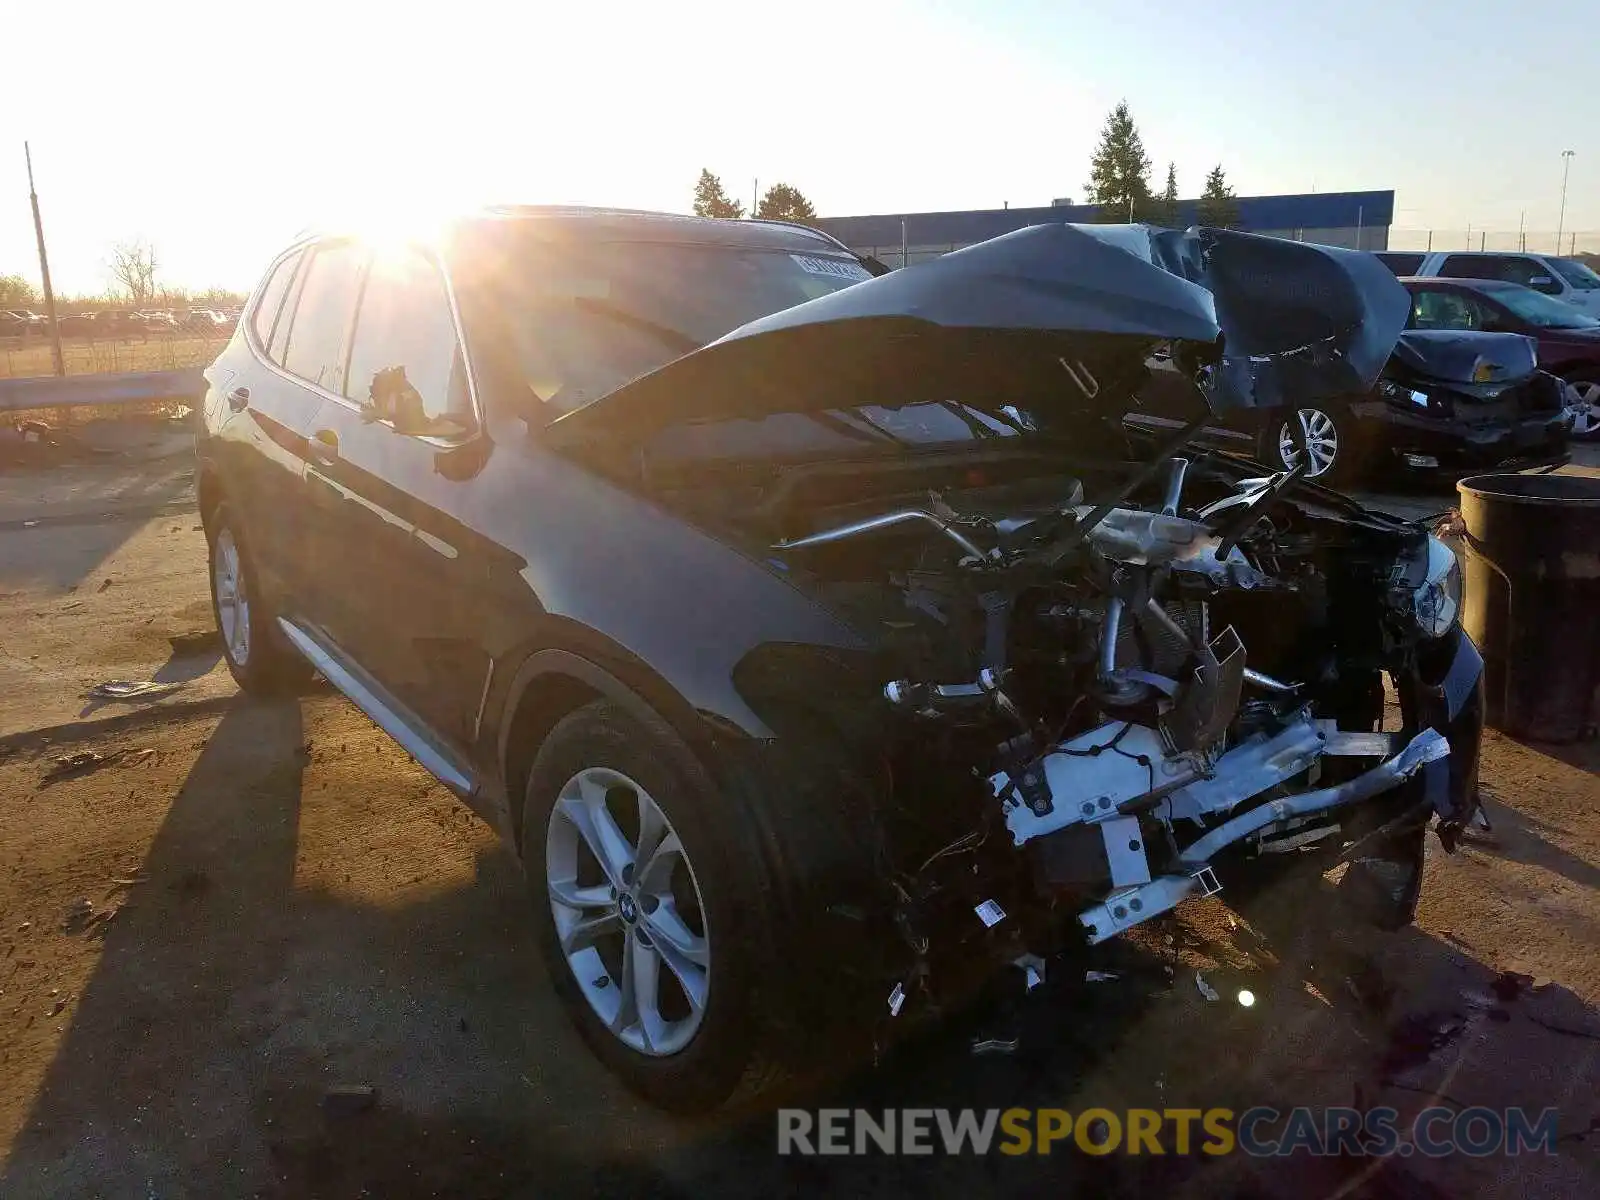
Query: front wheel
point(1584, 395)
point(643, 913)
point(1327, 438)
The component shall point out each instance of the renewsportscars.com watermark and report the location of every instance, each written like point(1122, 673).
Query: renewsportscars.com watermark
point(1260, 1132)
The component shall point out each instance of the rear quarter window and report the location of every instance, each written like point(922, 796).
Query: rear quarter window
point(271, 298)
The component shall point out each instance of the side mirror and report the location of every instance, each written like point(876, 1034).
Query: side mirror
point(395, 400)
point(1543, 283)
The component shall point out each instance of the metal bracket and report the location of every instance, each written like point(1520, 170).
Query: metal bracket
point(1124, 843)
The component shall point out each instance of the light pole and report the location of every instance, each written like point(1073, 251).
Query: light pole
point(1566, 165)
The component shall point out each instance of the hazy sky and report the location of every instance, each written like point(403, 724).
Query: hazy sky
point(216, 130)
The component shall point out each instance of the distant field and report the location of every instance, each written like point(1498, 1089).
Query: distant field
point(19, 358)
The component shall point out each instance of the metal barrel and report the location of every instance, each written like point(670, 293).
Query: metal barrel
point(1532, 600)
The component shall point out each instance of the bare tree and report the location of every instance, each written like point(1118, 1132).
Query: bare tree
point(133, 269)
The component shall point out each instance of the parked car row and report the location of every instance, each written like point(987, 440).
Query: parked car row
point(1568, 280)
point(114, 322)
point(1487, 374)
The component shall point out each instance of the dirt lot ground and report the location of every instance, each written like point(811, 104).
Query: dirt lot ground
point(251, 908)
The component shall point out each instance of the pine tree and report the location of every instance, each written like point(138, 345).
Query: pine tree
point(785, 203)
point(711, 201)
point(1217, 206)
point(1164, 208)
point(1119, 174)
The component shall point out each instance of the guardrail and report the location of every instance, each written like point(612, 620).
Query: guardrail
point(71, 391)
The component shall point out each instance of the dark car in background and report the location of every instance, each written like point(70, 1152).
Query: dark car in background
point(1567, 340)
point(804, 632)
point(1447, 401)
point(77, 324)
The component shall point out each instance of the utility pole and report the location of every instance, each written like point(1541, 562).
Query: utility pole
point(1522, 236)
point(1566, 165)
point(44, 267)
point(755, 190)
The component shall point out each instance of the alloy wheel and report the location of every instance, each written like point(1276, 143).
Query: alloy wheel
point(1322, 441)
point(233, 598)
point(1586, 399)
point(626, 903)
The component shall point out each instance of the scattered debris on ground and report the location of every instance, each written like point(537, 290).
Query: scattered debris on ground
point(131, 689)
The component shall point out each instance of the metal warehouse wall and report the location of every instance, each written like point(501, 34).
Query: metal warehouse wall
point(1352, 219)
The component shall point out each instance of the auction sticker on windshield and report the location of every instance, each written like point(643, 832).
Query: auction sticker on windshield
point(837, 267)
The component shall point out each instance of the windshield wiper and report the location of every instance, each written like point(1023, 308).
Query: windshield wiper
point(674, 339)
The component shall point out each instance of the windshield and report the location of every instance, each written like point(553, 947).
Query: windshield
point(1538, 309)
point(582, 318)
point(1576, 274)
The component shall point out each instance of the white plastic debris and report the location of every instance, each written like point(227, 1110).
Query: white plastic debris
point(1100, 977)
point(131, 689)
point(897, 999)
point(1206, 990)
point(990, 913)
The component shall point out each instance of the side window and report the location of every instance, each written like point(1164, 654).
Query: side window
point(1442, 310)
point(265, 314)
point(1467, 266)
point(319, 334)
point(1401, 264)
point(1542, 277)
point(406, 364)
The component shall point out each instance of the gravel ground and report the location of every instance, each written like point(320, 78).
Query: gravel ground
point(252, 909)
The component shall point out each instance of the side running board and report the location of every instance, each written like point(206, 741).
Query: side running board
point(387, 713)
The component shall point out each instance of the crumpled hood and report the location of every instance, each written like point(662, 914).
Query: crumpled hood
point(1047, 317)
point(1455, 356)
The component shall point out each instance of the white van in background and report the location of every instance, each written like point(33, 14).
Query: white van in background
point(1566, 279)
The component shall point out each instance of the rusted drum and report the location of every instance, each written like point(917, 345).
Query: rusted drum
point(1532, 600)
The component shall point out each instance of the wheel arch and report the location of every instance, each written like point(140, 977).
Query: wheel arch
point(552, 683)
point(209, 493)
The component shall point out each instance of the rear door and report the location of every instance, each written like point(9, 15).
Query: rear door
point(259, 418)
point(311, 344)
point(397, 461)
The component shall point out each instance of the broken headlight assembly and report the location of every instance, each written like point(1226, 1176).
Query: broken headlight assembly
point(1398, 393)
point(1436, 602)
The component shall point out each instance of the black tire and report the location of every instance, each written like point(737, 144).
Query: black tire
point(1334, 417)
point(261, 662)
point(724, 1059)
point(1588, 382)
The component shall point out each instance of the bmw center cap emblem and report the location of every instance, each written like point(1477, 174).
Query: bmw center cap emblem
point(628, 908)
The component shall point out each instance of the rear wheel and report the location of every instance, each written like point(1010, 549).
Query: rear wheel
point(1584, 391)
point(259, 660)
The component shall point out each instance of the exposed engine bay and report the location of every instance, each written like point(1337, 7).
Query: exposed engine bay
point(1104, 709)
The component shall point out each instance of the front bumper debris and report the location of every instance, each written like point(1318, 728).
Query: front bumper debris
point(1131, 906)
point(1507, 436)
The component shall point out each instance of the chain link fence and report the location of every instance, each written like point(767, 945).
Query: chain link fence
point(1534, 241)
point(29, 354)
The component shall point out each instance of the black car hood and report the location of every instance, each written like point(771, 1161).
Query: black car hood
point(1048, 317)
point(1464, 358)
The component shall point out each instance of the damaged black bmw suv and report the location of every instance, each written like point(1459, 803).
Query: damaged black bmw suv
point(808, 630)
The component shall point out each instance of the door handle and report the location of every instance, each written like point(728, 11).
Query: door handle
point(239, 398)
point(324, 447)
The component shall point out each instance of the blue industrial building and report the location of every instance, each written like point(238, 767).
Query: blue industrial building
point(1355, 219)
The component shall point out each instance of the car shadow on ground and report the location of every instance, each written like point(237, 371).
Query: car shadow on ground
point(1530, 841)
point(222, 1043)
